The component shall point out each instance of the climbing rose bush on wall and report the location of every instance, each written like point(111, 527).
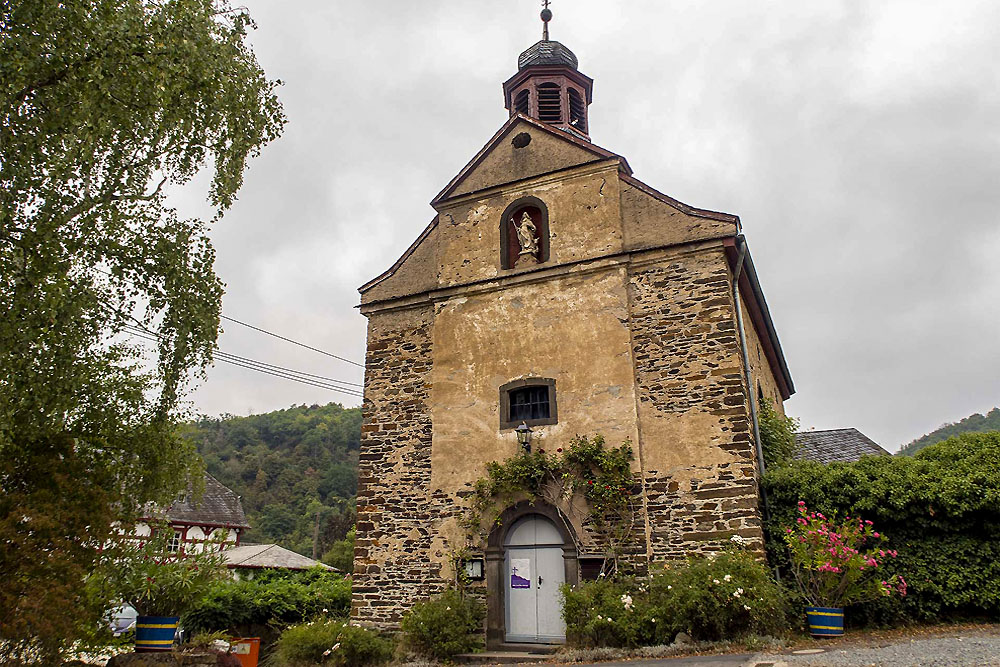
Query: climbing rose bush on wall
point(838, 564)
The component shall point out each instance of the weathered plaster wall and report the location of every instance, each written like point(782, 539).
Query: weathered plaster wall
point(505, 163)
point(418, 273)
point(395, 524)
point(698, 462)
point(532, 329)
point(648, 222)
point(584, 222)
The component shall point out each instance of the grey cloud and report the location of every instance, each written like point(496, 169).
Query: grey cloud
point(857, 141)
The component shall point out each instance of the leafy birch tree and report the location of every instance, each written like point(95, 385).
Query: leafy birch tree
point(105, 105)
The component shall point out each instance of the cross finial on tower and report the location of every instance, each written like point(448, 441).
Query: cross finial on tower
point(546, 17)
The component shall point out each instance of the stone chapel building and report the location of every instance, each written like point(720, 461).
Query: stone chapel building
point(556, 289)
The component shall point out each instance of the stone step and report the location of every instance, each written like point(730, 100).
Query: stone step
point(509, 654)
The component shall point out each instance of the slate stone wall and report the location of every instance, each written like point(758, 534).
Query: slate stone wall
point(392, 567)
point(699, 459)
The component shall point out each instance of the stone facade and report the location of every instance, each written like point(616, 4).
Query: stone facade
point(632, 319)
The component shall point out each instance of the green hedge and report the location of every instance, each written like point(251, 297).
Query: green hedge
point(271, 598)
point(940, 510)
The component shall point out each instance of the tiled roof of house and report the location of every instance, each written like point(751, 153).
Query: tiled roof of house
point(218, 506)
point(269, 555)
point(839, 444)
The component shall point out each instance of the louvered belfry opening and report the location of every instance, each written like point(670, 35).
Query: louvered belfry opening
point(577, 111)
point(521, 102)
point(549, 103)
point(548, 87)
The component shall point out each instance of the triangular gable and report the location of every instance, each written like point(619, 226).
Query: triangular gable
point(497, 163)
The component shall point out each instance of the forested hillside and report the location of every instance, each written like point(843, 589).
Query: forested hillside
point(976, 423)
point(289, 466)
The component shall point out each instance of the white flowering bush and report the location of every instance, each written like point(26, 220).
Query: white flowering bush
point(606, 612)
point(331, 643)
point(728, 596)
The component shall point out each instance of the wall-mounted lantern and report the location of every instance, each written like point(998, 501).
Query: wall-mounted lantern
point(474, 569)
point(524, 436)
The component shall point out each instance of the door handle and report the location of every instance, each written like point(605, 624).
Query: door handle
point(539, 580)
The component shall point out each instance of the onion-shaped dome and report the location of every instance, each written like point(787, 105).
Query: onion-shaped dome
point(546, 52)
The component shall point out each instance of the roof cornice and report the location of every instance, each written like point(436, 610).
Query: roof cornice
point(503, 131)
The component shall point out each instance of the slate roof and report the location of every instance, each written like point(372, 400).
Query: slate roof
point(546, 52)
point(269, 555)
point(839, 444)
point(219, 506)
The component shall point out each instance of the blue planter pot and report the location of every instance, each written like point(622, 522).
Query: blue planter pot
point(825, 621)
point(155, 633)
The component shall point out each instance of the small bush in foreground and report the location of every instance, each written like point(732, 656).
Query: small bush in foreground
point(331, 643)
point(444, 626)
point(603, 613)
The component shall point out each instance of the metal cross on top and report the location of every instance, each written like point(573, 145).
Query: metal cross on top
point(546, 17)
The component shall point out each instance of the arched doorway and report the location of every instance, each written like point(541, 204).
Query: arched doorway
point(521, 532)
point(534, 571)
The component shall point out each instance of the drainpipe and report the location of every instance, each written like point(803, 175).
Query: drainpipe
point(742, 245)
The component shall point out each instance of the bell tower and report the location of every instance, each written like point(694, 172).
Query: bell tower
point(548, 86)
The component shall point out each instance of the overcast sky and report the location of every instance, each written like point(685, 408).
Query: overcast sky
point(859, 142)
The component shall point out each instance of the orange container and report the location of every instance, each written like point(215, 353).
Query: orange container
point(246, 650)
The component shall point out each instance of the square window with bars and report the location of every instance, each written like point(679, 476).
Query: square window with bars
point(528, 403)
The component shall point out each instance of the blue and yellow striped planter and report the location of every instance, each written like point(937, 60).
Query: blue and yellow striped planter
point(155, 633)
point(825, 621)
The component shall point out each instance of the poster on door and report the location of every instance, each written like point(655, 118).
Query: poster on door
point(520, 573)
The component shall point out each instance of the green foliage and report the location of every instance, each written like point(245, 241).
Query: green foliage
point(730, 595)
point(333, 643)
point(940, 510)
point(444, 626)
point(272, 598)
point(156, 581)
point(105, 104)
point(596, 615)
point(341, 554)
point(603, 476)
point(975, 423)
point(288, 466)
point(777, 435)
point(836, 564)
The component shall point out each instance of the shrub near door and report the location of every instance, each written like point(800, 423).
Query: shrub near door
point(835, 565)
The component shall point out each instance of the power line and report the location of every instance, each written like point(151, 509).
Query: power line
point(143, 330)
point(263, 367)
point(308, 347)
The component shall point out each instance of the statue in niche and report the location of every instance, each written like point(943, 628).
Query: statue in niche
point(527, 237)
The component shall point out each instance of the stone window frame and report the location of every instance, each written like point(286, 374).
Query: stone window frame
point(505, 232)
point(505, 390)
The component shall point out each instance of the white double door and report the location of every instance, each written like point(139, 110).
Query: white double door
point(533, 575)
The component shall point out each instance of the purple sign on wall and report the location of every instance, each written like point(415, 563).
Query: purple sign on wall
point(520, 573)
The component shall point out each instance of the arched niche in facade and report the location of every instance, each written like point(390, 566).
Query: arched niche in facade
point(525, 219)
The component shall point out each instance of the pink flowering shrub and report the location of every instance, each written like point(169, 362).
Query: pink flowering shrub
point(839, 564)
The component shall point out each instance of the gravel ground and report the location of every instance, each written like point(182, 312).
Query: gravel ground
point(972, 649)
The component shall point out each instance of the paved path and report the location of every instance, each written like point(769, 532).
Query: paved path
point(969, 648)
